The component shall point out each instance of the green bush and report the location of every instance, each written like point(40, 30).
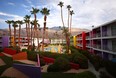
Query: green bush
point(103, 75)
point(17, 48)
point(78, 58)
point(96, 60)
point(31, 55)
point(1, 49)
point(7, 60)
point(60, 65)
point(86, 74)
point(58, 75)
point(25, 50)
point(111, 67)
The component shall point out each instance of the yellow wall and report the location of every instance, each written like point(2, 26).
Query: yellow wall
point(74, 41)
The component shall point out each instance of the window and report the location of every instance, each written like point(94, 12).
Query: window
point(113, 29)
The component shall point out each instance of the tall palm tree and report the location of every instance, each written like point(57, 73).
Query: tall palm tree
point(32, 24)
point(45, 12)
point(67, 35)
point(64, 29)
point(20, 23)
point(34, 11)
point(68, 7)
point(9, 22)
point(27, 21)
point(61, 4)
point(71, 13)
point(46, 32)
point(14, 24)
point(37, 31)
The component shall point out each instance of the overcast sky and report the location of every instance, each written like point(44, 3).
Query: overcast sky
point(87, 12)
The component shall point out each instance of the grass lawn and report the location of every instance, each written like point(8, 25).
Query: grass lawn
point(86, 74)
point(58, 75)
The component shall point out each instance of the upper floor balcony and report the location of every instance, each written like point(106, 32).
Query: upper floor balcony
point(96, 35)
point(97, 46)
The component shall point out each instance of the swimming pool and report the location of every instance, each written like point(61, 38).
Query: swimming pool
point(51, 49)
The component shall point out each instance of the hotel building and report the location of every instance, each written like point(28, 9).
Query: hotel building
point(101, 40)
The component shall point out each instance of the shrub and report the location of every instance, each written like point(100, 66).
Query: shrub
point(103, 75)
point(7, 60)
point(52, 68)
point(86, 74)
point(60, 65)
point(17, 48)
point(25, 50)
point(111, 67)
point(96, 60)
point(32, 56)
point(78, 58)
point(1, 49)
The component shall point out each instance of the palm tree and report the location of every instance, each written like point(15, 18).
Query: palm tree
point(61, 5)
point(20, 23)
point(27, 21)
point(71, 13)
point(37, 31)
point(9, 22)
point(32, 24)
point(67, 35)
point(14, 24)
point(68, 7)
point(46, 32)
point(45, 12)
point(65, 30)
point(34, 11)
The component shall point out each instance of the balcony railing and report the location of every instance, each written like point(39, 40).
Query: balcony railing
point(106, 48)
point(97, 46)
point(88, 44)
point(97, 35)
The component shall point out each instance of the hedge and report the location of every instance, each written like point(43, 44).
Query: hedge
point(86, 74)
point(78, 58)
point(60, 65)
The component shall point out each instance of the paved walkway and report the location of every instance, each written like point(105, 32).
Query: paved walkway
point(2, 62)
point(12, 72)
point(92, 69)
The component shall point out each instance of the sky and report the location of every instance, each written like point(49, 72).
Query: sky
point(86, 12)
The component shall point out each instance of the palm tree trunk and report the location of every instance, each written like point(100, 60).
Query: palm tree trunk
point(62, 16)
point(43, 37)
point(38, 39)
point(70, 23)
point(28, 37)
point(10, 33)
point(19, 35)
point(31, 35)
point(27, 34)
point(68, 19)
point(14, 36)
point(45, 18)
